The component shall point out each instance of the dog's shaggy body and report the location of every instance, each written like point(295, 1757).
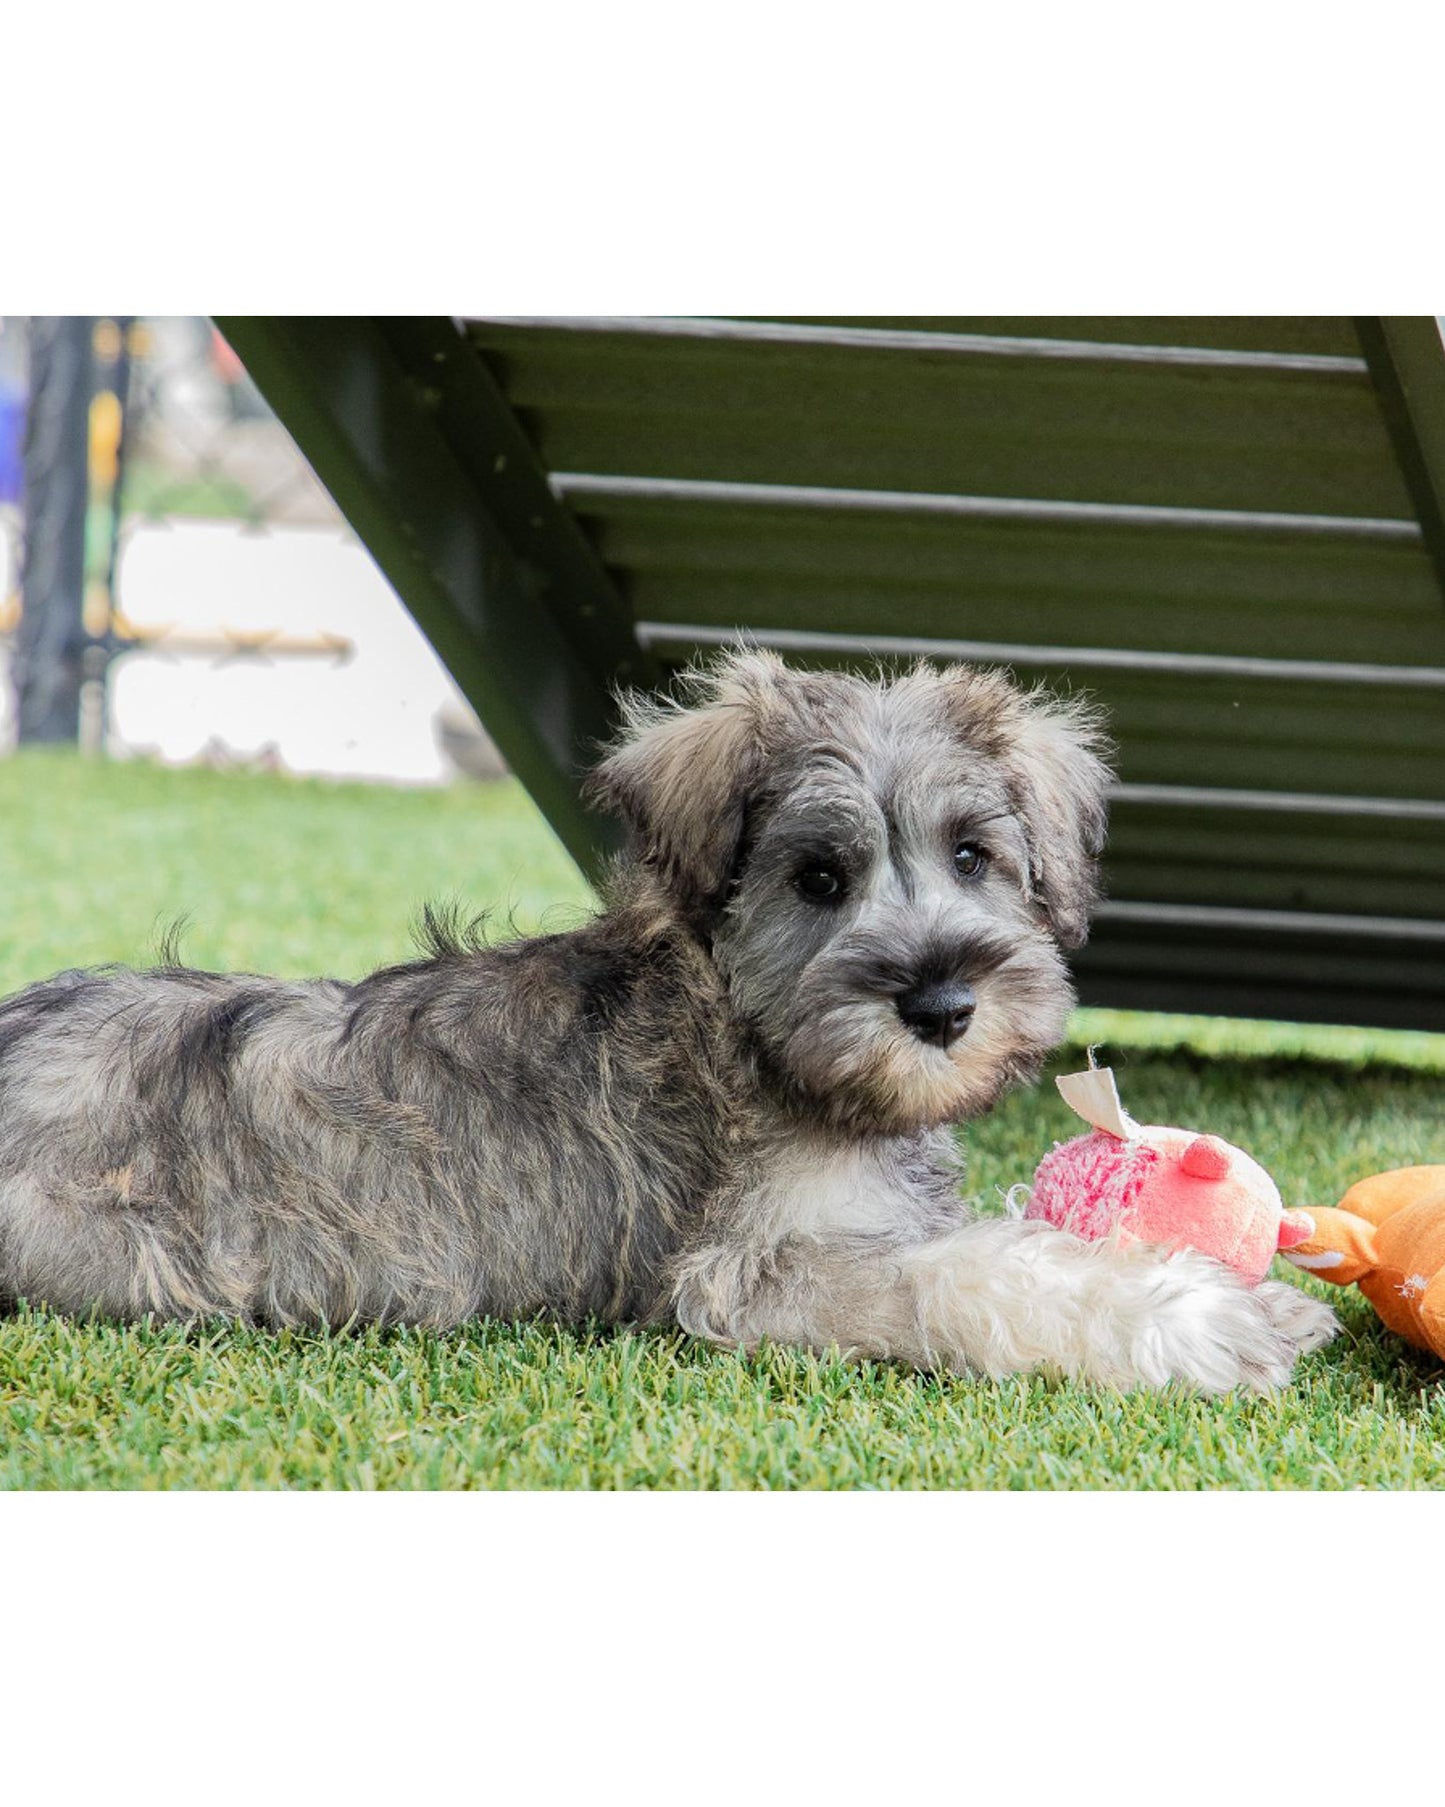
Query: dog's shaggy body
point(721, 1102)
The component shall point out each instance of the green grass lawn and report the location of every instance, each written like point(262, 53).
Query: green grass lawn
point(301, 878)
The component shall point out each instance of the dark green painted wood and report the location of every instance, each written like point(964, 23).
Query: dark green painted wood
point(1190, 730)
point(1317, 336)
point(967, 425)
point(1280, 595)
point(1184, 728)
point(1286, 976)
point(1407, 363)
point(372, 428)
point(1276, 861)
point(483, 434)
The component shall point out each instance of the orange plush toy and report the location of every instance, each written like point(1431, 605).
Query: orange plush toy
point(1387, 1234)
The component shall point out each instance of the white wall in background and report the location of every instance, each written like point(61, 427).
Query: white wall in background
point(372, 715)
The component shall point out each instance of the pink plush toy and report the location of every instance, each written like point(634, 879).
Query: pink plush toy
point(1152, 1184)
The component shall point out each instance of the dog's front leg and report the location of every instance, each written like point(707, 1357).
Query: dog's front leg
point(1001, 1297)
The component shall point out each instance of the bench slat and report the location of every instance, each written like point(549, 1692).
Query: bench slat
point(838, 416)
point(1320, 335)
point(1281, 974)
point(1175, 725)
point(1275, 861)
point(1281, 594)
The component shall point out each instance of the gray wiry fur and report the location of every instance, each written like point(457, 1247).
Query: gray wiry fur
point(704, 1105)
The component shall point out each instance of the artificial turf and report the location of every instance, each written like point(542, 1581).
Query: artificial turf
point(302, 877)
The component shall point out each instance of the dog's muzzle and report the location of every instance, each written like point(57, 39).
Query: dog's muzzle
point(938, 1013)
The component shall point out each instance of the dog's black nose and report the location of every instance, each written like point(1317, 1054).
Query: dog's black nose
point(938, 1013)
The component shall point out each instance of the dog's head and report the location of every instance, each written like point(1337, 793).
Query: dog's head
point(885, 871)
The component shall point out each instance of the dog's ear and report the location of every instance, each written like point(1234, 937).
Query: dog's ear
point(1062, 783)
point(681, 774)
point(1053, 751)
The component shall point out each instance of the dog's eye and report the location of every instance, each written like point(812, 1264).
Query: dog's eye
point(969, 859)
point(820, 884)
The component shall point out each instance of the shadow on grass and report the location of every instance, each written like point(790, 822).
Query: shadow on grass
point(1368, 1363)
point(1365, 1356)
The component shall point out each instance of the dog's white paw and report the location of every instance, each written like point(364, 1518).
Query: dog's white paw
point(1306, 1322)
point(1213, 1333)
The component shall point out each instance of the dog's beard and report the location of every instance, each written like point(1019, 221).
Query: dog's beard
point(859, 1066)
point(862, 1069)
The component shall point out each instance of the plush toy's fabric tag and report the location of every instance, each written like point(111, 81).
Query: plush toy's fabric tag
point(1095, 1098)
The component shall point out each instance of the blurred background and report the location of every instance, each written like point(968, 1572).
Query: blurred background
point(192, 593)
point(215, 715)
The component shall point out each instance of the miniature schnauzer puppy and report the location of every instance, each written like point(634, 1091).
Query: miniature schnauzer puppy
point(724, 1102)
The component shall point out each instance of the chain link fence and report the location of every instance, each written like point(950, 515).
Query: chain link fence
point(202, 442)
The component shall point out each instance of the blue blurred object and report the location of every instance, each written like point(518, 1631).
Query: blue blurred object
point(12, 433)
